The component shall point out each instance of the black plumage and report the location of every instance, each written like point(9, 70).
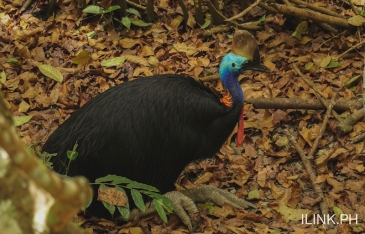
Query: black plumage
point(147, 130)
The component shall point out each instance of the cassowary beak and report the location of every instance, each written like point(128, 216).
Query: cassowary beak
point(255, 66)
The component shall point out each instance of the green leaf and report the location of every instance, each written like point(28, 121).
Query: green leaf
point(308, 66)
point(72, 155)
point(139, 22)
point(351, 81)
point(87, 204)
point(207, 206)
point(13, 62)
point(229, 35)
point(91, 34)
point(353, 89)
point(254, 194)
point(107, 178)
point(2, 77)
point(126, 22)
point(301, 29)
point(94, 10)
point(51, 72)
point(49, 164)
point(206, 23)
point(112, 8)
point(121, 180)
point(138, 199)
point(337, 211)
point(136, 185)
point(262, 19)
point(124, 211)
point(333, 63)
point(109, 207)
point(134, 12)
point(356, 20)
point(161, 212)
point(19, 120)
point(113, 62)
point(82, 58)
point(166, 202)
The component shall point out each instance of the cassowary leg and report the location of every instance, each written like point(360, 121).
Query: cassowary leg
point(186, 209)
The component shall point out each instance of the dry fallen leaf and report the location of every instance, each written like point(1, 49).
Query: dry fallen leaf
point(112, 196)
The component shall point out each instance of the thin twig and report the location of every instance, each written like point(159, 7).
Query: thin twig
point(363, 85)
point(312, 15)
point(310, 171)
point(329, 28)
point(331, 38)
point(316, 8)
point(304, 104)
point(136, 5)
point(323, 127)
point(353, 7)
point(244, 12)
point(268, 8)
point(216, 10)
point(350, 49)
point(318, 95)
point(348, 123)
point(245, 26)
point(358, 138)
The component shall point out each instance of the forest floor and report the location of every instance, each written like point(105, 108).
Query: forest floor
point(268, 170)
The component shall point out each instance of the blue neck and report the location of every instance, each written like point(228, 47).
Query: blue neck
point(229, 79)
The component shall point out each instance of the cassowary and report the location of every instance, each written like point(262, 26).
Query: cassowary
point(149, 129)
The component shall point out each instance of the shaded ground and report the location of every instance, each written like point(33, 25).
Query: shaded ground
point(267, 170)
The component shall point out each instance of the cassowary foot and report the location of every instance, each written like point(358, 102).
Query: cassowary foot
point(205, 193)
point(186, 209)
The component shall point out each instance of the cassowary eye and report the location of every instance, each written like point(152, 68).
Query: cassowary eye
point(233, 64)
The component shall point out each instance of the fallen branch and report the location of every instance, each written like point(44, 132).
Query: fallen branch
point(245, 26)
point(323, 127)
point(295, 103)
point(310, 171)
point(244, 12)
point(268, 8)
point(304, 104)
point(136, 5)
point(329, 28)
point(316, 8)
point(351, 49)
point(353, 7)
point(311, 15)
point(358, 138)
point(348, 123)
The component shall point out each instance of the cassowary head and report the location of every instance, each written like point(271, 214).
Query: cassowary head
point(244, 56)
